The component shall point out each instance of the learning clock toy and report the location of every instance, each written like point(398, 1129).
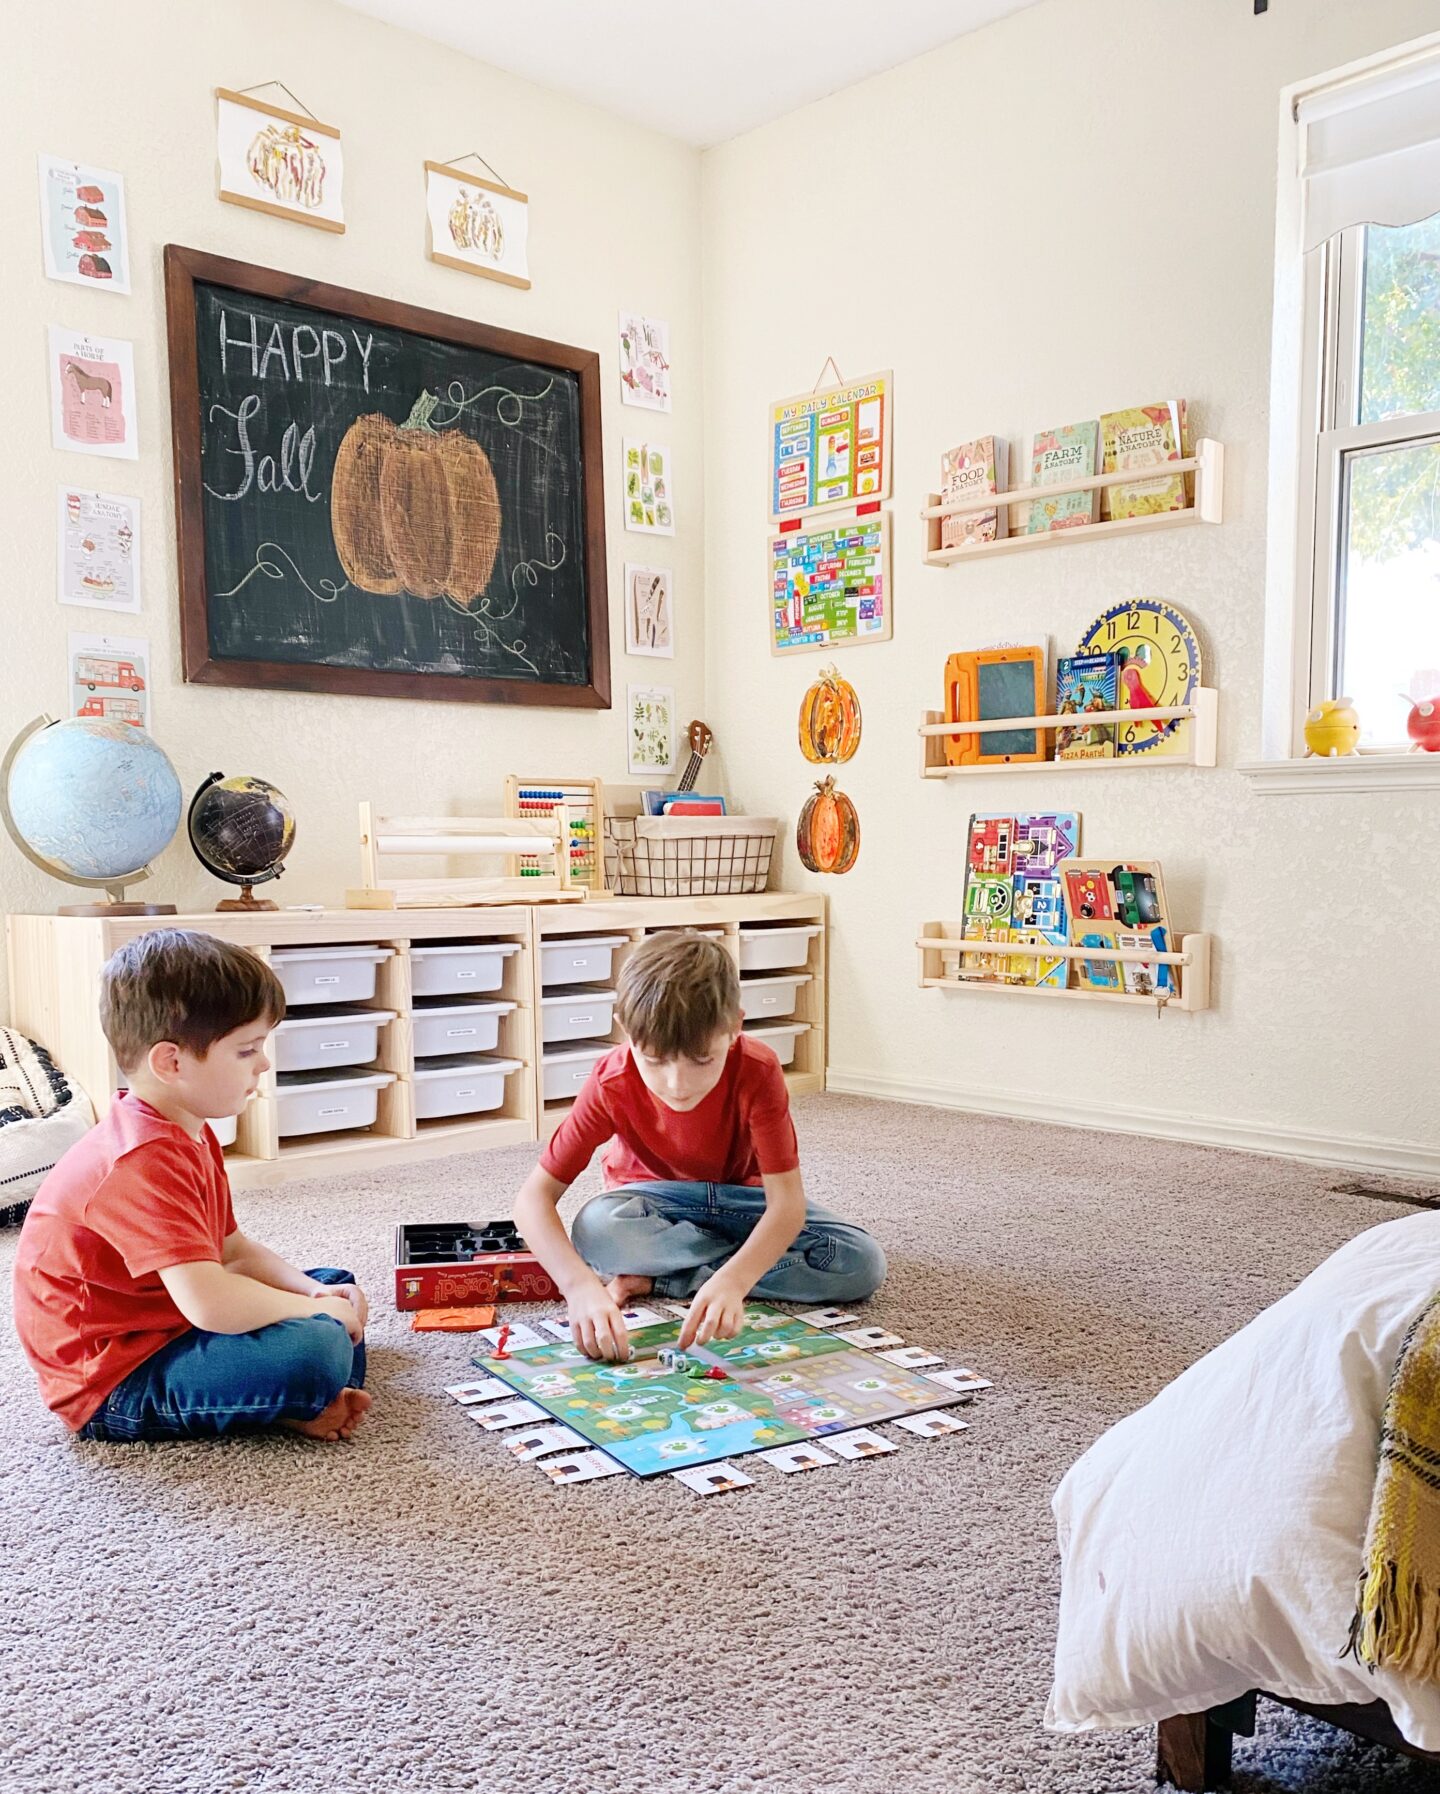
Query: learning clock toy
point(1158, 657)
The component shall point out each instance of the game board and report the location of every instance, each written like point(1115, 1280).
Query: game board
point(786, 1381)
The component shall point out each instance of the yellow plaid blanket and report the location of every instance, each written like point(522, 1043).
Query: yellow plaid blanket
point(1397, 1618)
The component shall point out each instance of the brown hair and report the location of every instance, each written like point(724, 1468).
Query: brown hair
point(171, 984)
point(678, 990)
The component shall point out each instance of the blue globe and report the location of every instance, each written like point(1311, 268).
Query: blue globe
point(93, 799)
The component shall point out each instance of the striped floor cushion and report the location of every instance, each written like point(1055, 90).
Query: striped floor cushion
point(41, 1115)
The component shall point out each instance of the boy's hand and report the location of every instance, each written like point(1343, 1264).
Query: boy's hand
point(352, 1293)
point(344, 1311)
point(597, 1325)
point(717, 1311)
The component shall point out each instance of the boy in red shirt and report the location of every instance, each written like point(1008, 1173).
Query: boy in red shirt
point(144, 1309)
point(704, 1196)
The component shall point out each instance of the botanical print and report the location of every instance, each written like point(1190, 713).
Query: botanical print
point(280, 161)
point(476, 225)
point(649, 488)
point(92, 394)
point(651, 743)
point(82, 225)
point(644, 361)
point(99, 550)
point(110, 678)
point(649, 618)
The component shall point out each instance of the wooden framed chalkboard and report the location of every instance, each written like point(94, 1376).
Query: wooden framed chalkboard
point(381, 501)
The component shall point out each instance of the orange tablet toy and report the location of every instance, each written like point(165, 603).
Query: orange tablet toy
point(998, 682)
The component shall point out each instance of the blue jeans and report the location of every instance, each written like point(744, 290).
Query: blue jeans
point(202, 1384)
point(680, 1233)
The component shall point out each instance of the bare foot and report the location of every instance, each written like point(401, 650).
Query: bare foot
point(621, 1289)
point(338, 1421)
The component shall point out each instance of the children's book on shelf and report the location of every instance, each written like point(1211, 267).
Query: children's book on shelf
point(1120, 904)
point(1013, 893)
point(1145, 436)
point(973, 470)
point(1086, 682)
point(1068, 452)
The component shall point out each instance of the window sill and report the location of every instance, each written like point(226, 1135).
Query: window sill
point(1348, 772)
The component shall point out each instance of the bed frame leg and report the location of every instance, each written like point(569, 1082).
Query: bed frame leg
point(1192, 1750)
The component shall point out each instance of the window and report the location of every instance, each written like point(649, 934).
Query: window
point(1375, 588)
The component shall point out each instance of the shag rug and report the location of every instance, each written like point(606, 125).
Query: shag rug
point(418, 1611)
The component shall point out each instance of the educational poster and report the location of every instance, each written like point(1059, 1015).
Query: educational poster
point(92, 394)
point(110, 677)
point(82, 225)
point(272, 160)
point(98, 551)
point(830, 584)
point(477, 226)
point(651, 735)
point(649, 481)
point(831, 447)
point(644, 361)
point(649, 619)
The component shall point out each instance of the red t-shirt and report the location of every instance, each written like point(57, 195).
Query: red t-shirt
point(132, 1198)
point(741, 1130)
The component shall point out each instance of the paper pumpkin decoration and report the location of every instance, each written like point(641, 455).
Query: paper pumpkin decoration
point(414, 509)
point(827, 835)
point(829, 720)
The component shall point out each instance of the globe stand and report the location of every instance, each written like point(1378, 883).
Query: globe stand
point(116, 909)
point(247, 901)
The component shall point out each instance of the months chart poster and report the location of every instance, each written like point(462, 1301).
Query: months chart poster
point(830, 584)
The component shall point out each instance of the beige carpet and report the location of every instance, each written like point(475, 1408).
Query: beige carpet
point(417, 1611)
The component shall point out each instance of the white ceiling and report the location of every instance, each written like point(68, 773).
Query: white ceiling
point(700, 70)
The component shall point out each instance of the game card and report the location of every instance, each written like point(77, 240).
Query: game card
point(958, 1379)
point(542, 1439)
point(640, 1317)
point(520, 1340)
point(932, 1426)
point(712, 1479)
point(911, 1357)
point(483, 1389)
point(579, 1467)
point(868, 1338)
point(505, 1414)
point(791, 1458)
point(558, 1327)
point(826, 1317)
point(861, 1443)
point(679, 1308)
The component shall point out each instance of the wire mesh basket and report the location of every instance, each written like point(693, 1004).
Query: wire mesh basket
point(689, 856)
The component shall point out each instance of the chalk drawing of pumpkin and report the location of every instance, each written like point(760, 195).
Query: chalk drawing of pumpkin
point(288, 164)
point(414, 509)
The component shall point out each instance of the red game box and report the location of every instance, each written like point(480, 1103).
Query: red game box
point(457, 1264)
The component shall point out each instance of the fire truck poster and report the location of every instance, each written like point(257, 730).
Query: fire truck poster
point(110, 677)
point(98, 550)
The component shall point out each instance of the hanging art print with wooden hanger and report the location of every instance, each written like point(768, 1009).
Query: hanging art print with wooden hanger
point(279, 159)
point(476, 225)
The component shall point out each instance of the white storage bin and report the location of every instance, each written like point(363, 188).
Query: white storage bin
point(768, 949)
point(576, 1014)
point(456, 1027)
point(562, 1073)
point(770, 999)
point(781, 1036)
point(459, 967)
point(582, 961)
point(328, 974)
point(460, 1086)
point(225, 1128)
point(351, 1037)
point(318, 1102)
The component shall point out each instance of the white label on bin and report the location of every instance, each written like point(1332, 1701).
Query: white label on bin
point(332, 979)
point(344, 1109)
point(769, 1002)
point(582, 1021)
point(583, 960)
point(455, 1033)
point(466, 974)
point(469, 1092)
point(333, 1046)
point(579, 1077)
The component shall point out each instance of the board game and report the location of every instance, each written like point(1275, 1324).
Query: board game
point(783, 1381)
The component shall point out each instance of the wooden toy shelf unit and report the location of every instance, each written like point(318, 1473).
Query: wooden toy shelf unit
point(941, 945)
point(1207, 465)
point(464, 1008)
point(1203, 710)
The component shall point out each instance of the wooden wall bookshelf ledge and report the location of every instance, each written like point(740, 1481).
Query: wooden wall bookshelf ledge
point(1207, 464)
point(941, 944)
point(1203, 710)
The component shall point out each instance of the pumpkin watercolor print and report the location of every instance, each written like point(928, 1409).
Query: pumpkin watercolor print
point(827, 836)
point(829, 720)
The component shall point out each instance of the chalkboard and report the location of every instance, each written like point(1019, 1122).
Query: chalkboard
point(378, 500)
point(1007, 688)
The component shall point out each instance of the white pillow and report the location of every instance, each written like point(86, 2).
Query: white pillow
point(1211, 1542)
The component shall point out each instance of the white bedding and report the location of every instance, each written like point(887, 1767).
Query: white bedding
point(1211, 1542)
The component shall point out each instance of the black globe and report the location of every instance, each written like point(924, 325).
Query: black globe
point(241, 829)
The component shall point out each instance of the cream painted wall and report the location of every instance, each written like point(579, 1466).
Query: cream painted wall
point(1070, 210)
point(615, 221)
